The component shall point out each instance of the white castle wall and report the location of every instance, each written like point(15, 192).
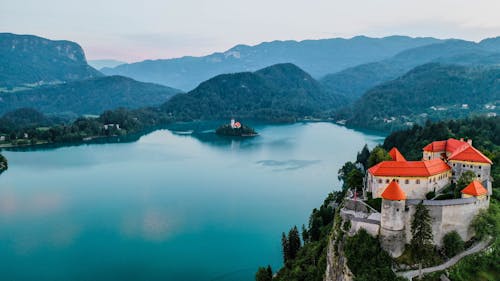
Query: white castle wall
point(413, 190)
point(447, 216)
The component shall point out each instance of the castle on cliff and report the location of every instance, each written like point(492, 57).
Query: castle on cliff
point(404, 184)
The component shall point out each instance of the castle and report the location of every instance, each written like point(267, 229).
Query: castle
point(404, 184)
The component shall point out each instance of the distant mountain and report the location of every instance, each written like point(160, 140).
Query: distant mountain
point(355, 81)
point(431, 91)
point(317, 57)
point(27, 60)
point(98, 64)
point(91, 96)
point(281, 92)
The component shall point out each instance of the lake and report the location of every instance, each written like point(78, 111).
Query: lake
point(169, 206)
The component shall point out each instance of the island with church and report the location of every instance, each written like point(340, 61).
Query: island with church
point(236, 129)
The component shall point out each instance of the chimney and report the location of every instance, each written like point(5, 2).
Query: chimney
point(469, 141)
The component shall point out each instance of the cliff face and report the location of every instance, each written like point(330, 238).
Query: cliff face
point(336, 262)
point(31, 60)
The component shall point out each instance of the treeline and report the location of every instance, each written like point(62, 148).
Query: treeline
point(39, 129)
point(304, 253)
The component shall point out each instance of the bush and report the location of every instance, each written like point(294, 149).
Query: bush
point(430, 195)
point(452, 244)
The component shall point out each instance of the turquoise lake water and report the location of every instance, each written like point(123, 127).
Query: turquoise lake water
point(167, 206)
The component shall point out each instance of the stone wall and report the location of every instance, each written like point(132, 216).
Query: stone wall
point(481, 170)
point(447, 216)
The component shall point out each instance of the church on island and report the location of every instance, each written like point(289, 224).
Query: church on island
point(403, 184)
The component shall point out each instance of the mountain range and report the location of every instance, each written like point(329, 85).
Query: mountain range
point(28, 61)
point(317, 57)
point(432, 91)
point(353, 82)
point(90, 96)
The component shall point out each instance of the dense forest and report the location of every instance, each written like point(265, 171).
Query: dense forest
point(281, 92)
point(428, 92)
point(30, 127)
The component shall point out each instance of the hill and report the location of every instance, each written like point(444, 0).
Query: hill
point(91, 96)
point(99, 64)
point(281, 92)
point(317, 57)
point(431, 91)
point(27, 61)
point(355, 81)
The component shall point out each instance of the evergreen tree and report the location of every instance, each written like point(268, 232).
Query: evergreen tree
point(362, 157)
point(355, 179)
point(421, 230)
point(264, 274)
point(315, 224)
point(3, 164)
point(305, 234)
point(286, 248)
point(294, 242)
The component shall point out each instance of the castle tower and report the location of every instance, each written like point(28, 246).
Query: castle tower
point(474, 189)
point(392, 223)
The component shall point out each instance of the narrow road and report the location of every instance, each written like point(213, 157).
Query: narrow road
point(472, 250)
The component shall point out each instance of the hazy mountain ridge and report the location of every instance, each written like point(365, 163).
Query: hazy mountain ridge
point(355, 81)
point(91, 96)
point(281, 92)
point(317, 57)
point(27, 60)
point(432, 91)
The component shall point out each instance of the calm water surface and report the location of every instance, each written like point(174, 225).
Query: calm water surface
point(168, 206)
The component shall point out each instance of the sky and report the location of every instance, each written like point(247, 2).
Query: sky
point(151, 29)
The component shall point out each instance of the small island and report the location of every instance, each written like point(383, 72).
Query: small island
point(235, 129)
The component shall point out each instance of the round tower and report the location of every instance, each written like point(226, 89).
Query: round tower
point(392, 222)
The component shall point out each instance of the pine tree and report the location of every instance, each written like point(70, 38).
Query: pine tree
point(294, 242)
point(264, 274)
point(305, 234)
point(421, 230)
point(286, 248)
point(362, 157)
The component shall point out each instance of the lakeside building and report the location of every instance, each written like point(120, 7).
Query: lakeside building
point(403, 185)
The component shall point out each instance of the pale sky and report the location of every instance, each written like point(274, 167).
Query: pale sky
point(150, 29)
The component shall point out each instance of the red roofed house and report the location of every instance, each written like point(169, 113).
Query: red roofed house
point(416, 178)
point(461, 156)
point(443, 162)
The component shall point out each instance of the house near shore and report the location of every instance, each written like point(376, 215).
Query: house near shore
point(403, 184)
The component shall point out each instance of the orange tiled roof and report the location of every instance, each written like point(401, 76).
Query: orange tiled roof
point(469, 153)
point(409, 168)
point(396, 155)
point(449, 145)
point(475, 188)
point(393, 192)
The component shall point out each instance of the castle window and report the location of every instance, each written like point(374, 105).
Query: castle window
point(479, 167)
point(471, 166)
point(379, 180)
point(418, 181)
point(453, 164)
point(407, 181)
point(478, 175)
point(397, 210)
point(387, 181)
point(463, 165)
